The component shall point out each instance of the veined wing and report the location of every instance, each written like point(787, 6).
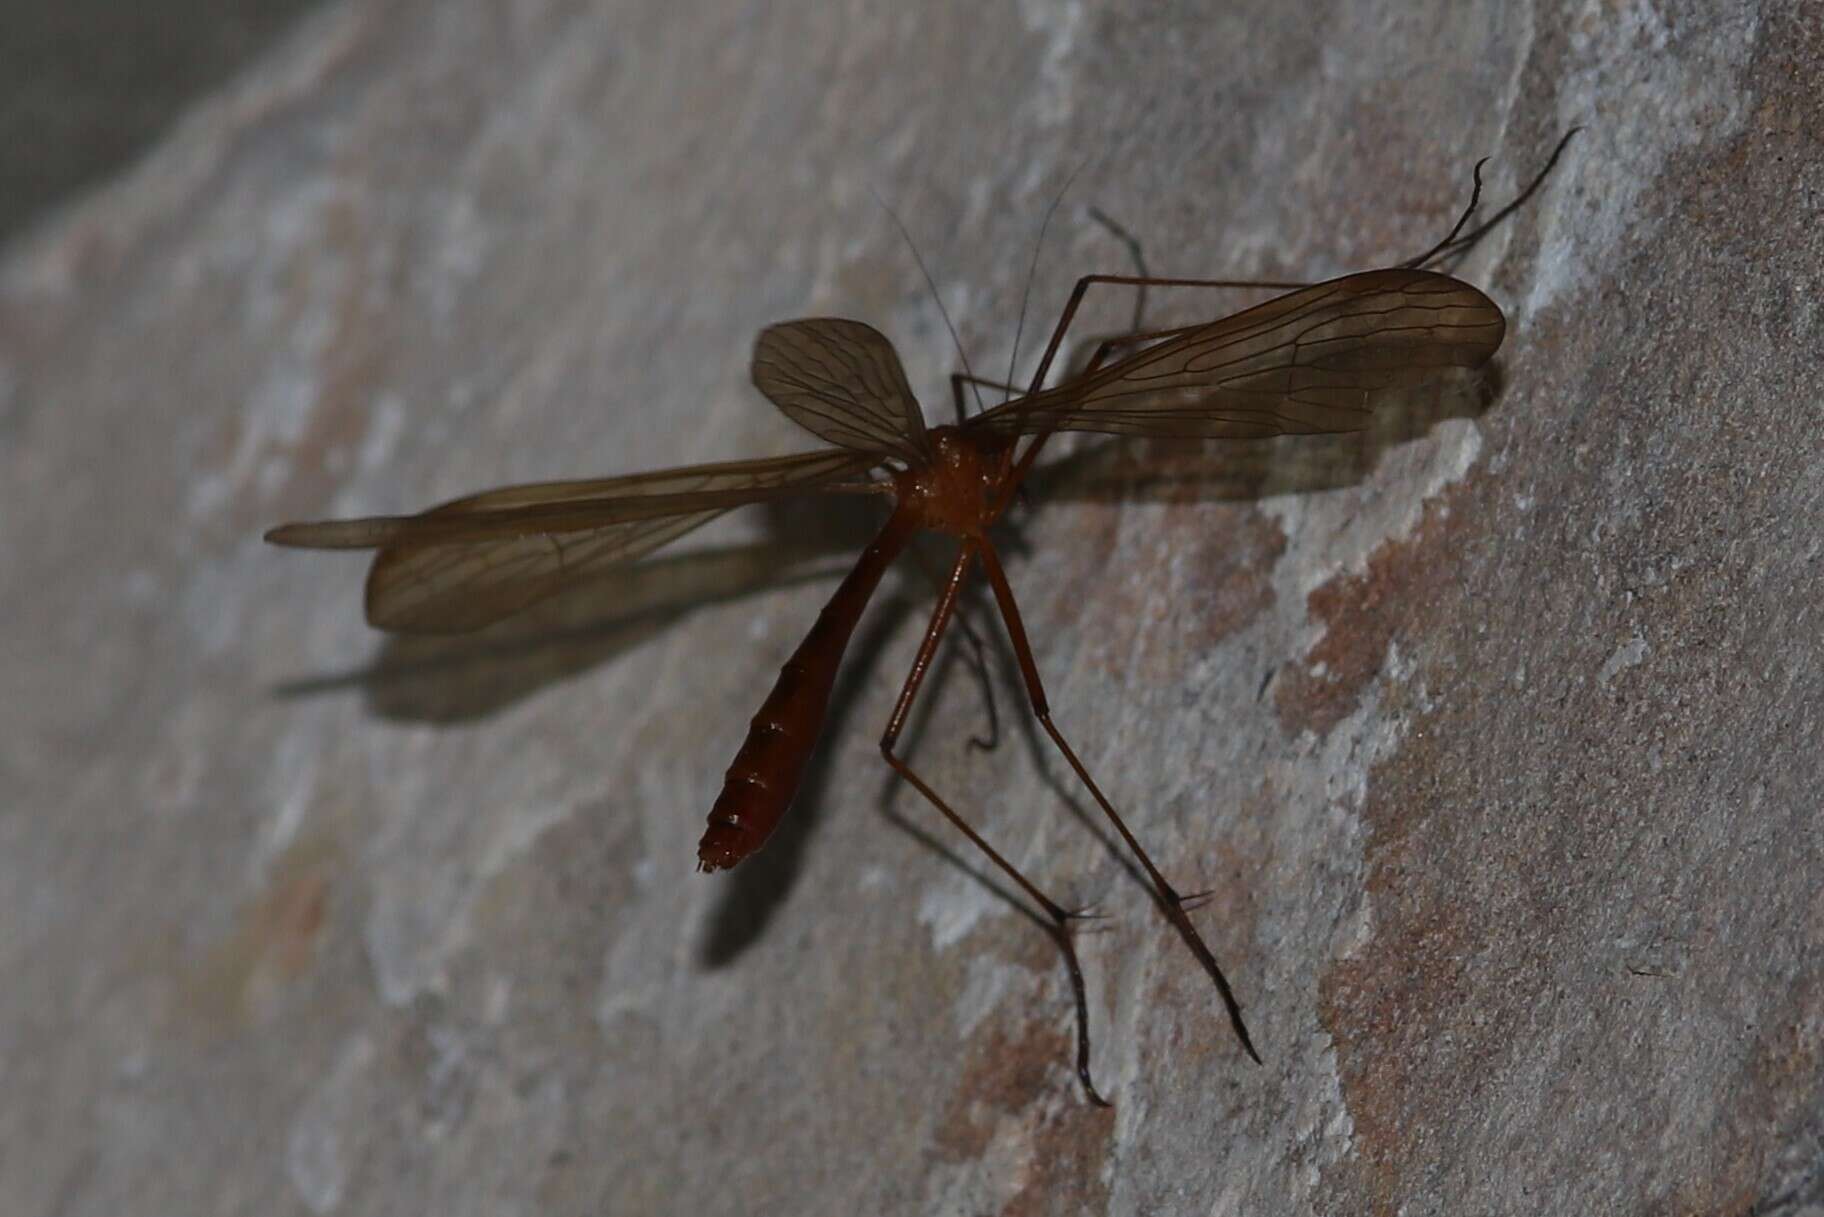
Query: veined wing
point(474, 560)
point(1306, 363)
point(841, 381)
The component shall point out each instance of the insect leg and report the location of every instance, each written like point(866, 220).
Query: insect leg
point(959, 379)
point(978, 660)
point(1059, 917)
point(1088, 281)
point(1453, 245)
point(1077, 293)
point(1016, 477)
point(1170, 902)
point(1135, 252)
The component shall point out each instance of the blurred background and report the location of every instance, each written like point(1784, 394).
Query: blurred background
point(86, 86)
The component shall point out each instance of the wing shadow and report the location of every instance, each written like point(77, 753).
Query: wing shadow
point(457, 678)
point(1127, 469)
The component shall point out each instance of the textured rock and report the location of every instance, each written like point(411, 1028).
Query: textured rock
point(1496, 740)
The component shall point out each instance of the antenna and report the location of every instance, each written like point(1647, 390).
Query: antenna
point(1026, 295)
point(932, 284)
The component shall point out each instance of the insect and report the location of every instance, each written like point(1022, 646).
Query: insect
point(1309, 362)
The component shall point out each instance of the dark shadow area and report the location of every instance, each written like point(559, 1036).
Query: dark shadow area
point(454, 678)
point(1128, 470)
point(86, 86)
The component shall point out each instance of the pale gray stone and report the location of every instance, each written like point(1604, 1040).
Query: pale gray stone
point(1497, 742)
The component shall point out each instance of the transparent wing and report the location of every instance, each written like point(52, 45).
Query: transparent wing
point(472, 561)
point(1307, 363)
point(841, 381)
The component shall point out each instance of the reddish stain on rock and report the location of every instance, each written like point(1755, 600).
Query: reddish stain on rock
point(242, 979)
point(1230, 583)
point(1493, 894)
point(1173, 591)
point(1400, 1010)
point(1015, 1075)
point(1363, 613)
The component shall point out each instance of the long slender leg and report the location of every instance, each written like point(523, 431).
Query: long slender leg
point(1450, 238)
point(1060, 917)
point(1088, 281)
point(1031, 452)
point(1454, 244)
point(1134, 251)
point(1170, 902)
point(1450, 245)
point(1107, 346)
point(959, 379)
point(978, 659)
point(1015, 479)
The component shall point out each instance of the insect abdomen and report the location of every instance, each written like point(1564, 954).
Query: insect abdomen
point(764, 776)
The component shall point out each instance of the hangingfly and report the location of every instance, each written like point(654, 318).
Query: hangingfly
point(1310, 362)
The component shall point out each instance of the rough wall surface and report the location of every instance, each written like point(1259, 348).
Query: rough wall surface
point(1499, 751)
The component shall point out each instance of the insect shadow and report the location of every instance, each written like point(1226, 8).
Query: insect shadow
point(1310, 362)
point(460, 678)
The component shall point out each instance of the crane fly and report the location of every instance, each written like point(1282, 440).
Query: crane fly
point(1309, 362)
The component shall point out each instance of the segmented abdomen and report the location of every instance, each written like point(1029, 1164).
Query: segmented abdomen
point(764, 776)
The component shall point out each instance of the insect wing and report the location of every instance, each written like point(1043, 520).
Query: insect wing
point(841, 381)
point(475, 560)
point(1306, 363)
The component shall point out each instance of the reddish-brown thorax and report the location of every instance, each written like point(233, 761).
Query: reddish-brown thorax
point(964, 490)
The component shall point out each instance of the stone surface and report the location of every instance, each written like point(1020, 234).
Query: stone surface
point(1497, 741)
